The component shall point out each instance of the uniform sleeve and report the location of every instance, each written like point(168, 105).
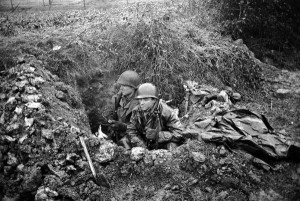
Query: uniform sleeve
point(111, 108)
point(173, 126)
point(135, 139)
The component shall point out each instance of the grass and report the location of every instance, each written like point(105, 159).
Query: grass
point(158, 42)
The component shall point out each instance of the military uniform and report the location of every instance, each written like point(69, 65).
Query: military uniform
point(123, 113)
point(141, 121)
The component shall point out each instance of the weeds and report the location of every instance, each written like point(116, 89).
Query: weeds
point(165, 50)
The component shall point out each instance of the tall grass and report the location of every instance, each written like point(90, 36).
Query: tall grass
point(166, 43)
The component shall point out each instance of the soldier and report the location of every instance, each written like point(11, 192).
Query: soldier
point(153, 123)
point(124, 101)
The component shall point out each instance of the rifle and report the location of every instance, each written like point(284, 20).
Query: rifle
point(116, 106)
point(156, 123)
point(115, 115)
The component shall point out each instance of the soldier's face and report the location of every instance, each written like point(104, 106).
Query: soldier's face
point(126, 90)
point(146, 103)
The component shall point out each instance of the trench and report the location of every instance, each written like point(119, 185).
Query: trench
point(96, 95)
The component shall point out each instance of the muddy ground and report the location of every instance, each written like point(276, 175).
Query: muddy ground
point(43, 113)
point(42, 159)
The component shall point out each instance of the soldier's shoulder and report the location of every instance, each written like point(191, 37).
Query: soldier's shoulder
point(135, 108)
point(166, 109)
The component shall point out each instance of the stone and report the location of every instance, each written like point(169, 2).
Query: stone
point(34, 105)
point(254, 177)
point(261, 164)
point(105, 153)
point(222, 195)
point(28, 122)
point(12, 160)
point(148, 160)
point(198, 157)
point(20, 167)
point(283, 93)
point(239, 42)
point(31, 98)
point(161, 156)
point(137, 153)
point(11, 100)
point(262, 195)
point(18, 110)
point(61, 95)
point(37, 81)
point(222, 151)
point(208, 189)
point(30, 89)
point(47, 133)
point(2, 96)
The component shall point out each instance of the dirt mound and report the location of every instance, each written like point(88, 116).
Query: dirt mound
point(41, 118)
point(42, 158)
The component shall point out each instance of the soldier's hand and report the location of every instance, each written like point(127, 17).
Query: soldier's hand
point(151, 134)
point(117, 126)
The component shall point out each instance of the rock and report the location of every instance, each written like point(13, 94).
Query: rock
point(20, 60)
point(161, 156)
point(32, 179)
point(270, 195)
point(208, 189)
point(254, 177)
point(9, 138)
point(61, 95)
point(222, 151)
point(6, 198)
point(70, 169)
point(71, 157)
point(34, 105)
point(31, 98)
point(283, 93)
point(47, 133)
point(148, 160)
point(30, 89)
point(13, 127)
point(44, 193)
point(298, 169)
point(137, 153)
point(198, 157)
point(105, 153)
point(21, 84)
point(28, 122)
point(12, 160)
point(11, 100)
point(20, 167)
point(36, 81)
point(18, 110)
point(74, 130)
point(261, 164)
point(239, 42)
point(2, 96)
point(82, 164)
point(222, 195)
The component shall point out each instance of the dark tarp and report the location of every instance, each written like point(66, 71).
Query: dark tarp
point(246, 130)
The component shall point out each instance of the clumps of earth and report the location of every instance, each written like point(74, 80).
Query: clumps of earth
point(41, 120)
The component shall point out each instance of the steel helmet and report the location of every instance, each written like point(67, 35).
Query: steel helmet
point(129, 78)
point(147, 90)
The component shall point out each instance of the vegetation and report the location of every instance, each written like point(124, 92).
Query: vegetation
point(179, 39)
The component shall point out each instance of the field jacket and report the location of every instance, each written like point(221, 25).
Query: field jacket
point(170, 126)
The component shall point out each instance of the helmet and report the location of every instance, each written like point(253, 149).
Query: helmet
point(147, 90)
point(129, 78)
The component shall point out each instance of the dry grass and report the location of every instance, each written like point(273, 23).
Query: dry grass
point(166, 42)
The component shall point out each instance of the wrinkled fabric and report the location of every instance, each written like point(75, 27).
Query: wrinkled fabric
point(246, 130)
point(171, 127)
point(125, 108)
point(124, 112)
